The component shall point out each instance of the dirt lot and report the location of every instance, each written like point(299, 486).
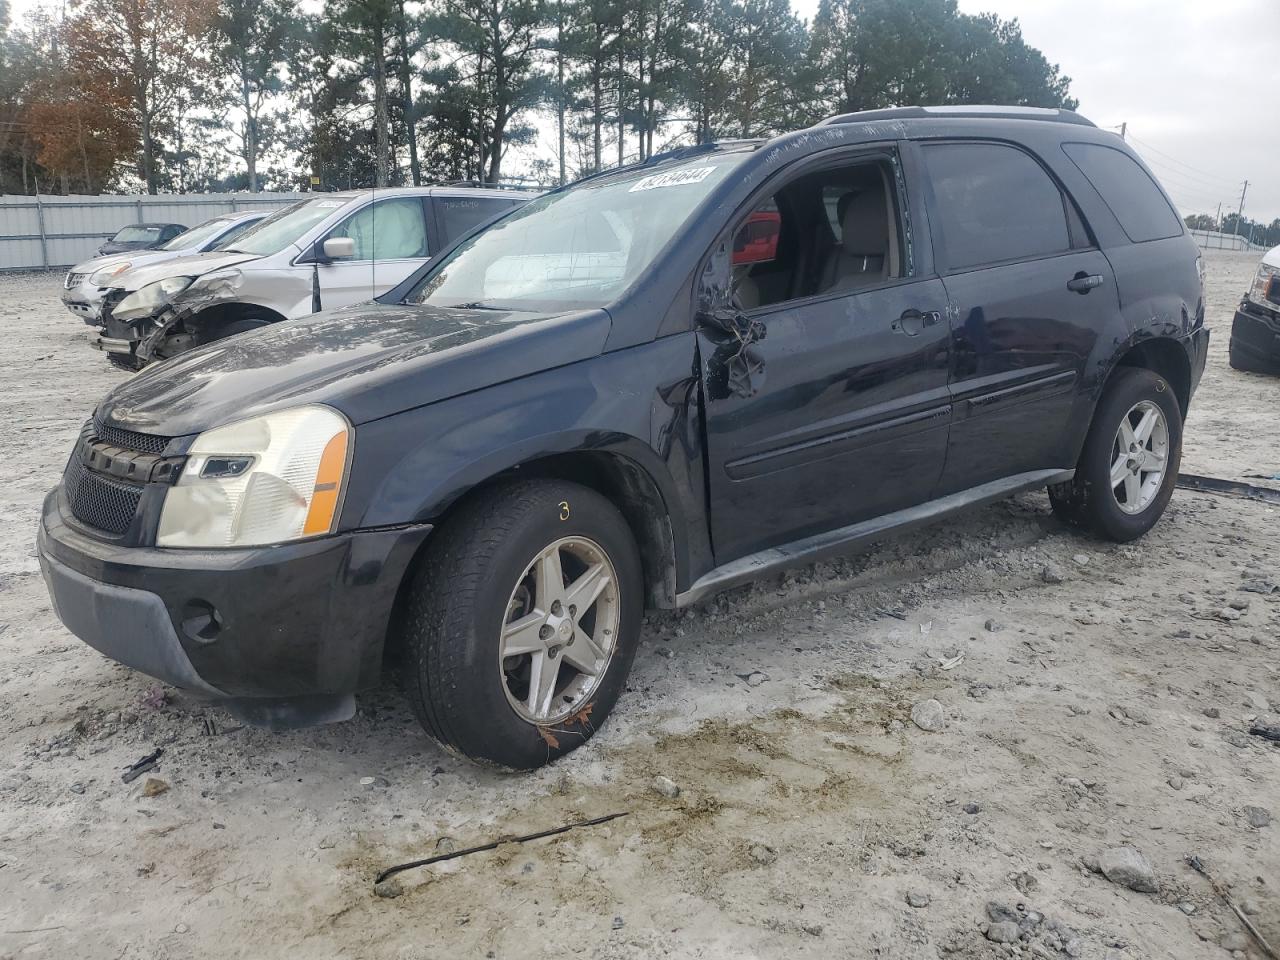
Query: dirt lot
point(1100, 699)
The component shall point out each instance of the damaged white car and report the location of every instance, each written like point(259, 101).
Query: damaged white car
point(324, 252)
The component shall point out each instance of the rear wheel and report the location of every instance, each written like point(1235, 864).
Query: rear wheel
point(522, 622)
point(1129, 465)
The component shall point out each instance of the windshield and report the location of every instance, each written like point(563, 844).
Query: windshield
point(134, 234)
point(197, 236)
point(576, 249)
point(285, 226)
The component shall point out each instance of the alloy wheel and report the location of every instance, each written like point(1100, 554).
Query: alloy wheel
point(1139, 456)
point(560, 630)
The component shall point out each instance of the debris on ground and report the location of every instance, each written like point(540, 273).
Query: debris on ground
point(928, 715)
point(1127, 867)
point(138, 768)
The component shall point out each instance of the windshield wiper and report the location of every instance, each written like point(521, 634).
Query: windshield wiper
point(474, 305)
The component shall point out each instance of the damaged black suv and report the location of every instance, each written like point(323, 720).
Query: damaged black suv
point(634, 391)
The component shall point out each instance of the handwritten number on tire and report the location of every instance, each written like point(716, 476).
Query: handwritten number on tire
point(564, 509)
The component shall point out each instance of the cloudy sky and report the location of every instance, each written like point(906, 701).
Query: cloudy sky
point(1196, 80)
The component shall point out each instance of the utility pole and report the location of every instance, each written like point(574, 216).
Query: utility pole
point(1123, 129)
point(1217, 221)
point(1240, 212)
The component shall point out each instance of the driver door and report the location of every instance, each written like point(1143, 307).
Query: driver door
point(391, 242)
point(838, 410)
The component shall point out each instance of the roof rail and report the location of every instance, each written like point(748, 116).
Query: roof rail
point(500, 185)
point(975, 111)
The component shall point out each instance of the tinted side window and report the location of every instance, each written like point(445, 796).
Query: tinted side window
point(994, 203)
point(457, 215)
point(1129, 191)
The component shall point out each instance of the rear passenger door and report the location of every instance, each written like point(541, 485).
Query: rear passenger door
point(1027, 294)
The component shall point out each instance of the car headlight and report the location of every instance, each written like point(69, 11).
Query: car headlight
point(1266, 287)
point(147, 300)
point(100, 277)
point(260, 481)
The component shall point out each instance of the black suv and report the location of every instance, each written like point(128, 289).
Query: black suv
point(634, 391)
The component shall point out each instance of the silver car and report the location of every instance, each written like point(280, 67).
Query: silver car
point(86, 283)
point(328, 251)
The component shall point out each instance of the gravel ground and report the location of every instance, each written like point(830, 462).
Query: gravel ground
point(1089, 697)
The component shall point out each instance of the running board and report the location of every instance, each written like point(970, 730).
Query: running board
point(833, 542)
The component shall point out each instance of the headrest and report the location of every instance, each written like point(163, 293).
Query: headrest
point(865, 224)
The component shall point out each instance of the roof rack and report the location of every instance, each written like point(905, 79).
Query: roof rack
point(975, 111)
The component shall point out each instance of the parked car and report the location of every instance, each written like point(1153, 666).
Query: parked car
point(85, 285)
point(327, 251)
point(140, 236)
point(1255, 330)
point(738, 358)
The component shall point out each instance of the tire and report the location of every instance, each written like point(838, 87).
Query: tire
point(483, 580)
point(1129, 508)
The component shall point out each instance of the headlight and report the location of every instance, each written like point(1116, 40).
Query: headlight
point(100, 277)
point(149, 299)
point(218, 282)
point(260, 481)
point(1266, 286)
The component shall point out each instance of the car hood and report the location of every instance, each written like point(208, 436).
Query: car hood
point(370, 361)
point(189, 265)
point(1272, 257)
point(137, 258)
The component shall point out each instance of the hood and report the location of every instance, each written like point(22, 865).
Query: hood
point(369, 361)
point(135, 258)
point(1272, 257)
point(184, 265)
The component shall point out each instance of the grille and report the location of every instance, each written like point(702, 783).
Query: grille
point(146, 442)
point(74, 279)
point(97, 500)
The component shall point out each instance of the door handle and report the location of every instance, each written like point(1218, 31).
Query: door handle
point(912, 321)
point(1084, 282)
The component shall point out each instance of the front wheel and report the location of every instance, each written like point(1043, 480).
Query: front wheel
point(1129, 465)
point(522, 622)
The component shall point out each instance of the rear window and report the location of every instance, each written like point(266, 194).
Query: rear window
point(457, 215)
point(994, 203)
point(1129, 191)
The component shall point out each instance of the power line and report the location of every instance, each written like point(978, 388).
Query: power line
point(1171, 158)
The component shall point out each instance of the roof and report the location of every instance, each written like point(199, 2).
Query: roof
point(974, 111)
point(434, 191)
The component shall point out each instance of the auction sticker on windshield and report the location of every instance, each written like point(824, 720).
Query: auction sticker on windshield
point(673, 178)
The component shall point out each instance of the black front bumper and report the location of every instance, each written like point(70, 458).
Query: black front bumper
point(1255, 333)
point(283, 634)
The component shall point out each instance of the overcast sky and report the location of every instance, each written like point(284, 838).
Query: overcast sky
point(1197, 81)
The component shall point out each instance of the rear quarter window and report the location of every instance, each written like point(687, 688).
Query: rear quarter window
point(1142, 210)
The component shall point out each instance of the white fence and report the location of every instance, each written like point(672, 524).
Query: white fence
point(52, 231)
point(1212, 240)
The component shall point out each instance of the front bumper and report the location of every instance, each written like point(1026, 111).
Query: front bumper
point(84, 301)
point(1255, 332)
point(283, 635)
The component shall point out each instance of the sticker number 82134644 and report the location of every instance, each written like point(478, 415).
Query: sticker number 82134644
point(673, 178)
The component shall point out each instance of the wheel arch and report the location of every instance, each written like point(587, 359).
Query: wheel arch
point(218, 314)
point(651, 512)
point(1164, 356)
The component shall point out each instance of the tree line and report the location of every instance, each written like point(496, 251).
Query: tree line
point(193, 95)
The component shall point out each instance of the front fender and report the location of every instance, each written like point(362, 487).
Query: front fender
point(640, 404)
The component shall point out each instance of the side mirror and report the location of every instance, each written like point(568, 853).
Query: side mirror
point(339, 248)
